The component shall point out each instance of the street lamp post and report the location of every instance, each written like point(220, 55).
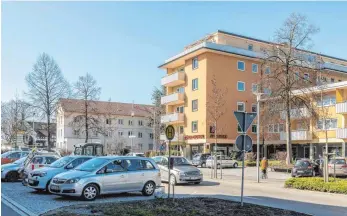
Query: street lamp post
point(258, 131)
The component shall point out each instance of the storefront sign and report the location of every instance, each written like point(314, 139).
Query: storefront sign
point(194, 137)
point(219, 136)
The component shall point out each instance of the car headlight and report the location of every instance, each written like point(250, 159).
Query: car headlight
point(42, 174)
point(72, 181)
point(181, 173)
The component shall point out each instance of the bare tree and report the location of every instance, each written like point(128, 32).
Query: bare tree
point(86, 89)
point(215, 107)
point(13, 116)
point(292, 68)
point(46, 85)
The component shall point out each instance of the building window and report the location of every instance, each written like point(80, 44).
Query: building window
point(120, 121)
point(181, 129)
point(109, 133)
point(254, 68)
point(150, 146)
point(195, 84)
point(276, 128)
point(254, 108)
point(267, 91)
point(240, 86)
point(267, 70)
point(120, 133)
point(130, 122)
point(108, 121)
point(140, 123)
point(254, 128)
point(254, 87)
point(61, 133)
point(76, 132)
point(241, 65)
point(130, 133)
point(296, 75)
point(95, 133)
point(180, 109)
point(194, 105)
point(271, 128)
point(330, 124)
point(239, 130)
point(306, 77)
point(327, 101)
point(151, 136)
point(332, 80)
point(194, 126)
point(139, 135)
point(195, 63)
point(250, 47)
point(180, 90)
point(241, 106)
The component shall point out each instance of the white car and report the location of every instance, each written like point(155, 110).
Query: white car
point(222, 161)
point(136, 154)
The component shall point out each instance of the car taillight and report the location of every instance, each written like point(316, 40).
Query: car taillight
point(310, 167)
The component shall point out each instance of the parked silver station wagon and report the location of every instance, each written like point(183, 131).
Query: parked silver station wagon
point(107, 175)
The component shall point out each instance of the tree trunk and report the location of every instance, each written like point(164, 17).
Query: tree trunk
point(289, 135)
point(86, 120)
point(49, 132)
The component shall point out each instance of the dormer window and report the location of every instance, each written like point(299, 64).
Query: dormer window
point(250, 47)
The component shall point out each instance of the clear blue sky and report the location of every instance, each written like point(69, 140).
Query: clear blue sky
point(122, 43)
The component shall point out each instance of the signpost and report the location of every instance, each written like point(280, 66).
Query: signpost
point(170, 134)
point(243, 141)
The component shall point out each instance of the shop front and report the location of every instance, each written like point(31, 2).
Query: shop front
point(222, 148)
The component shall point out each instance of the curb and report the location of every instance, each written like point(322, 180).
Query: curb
point(16, 206)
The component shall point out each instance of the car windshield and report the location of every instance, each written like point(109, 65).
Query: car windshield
point(180, 161)
point(302, 163)
point(337, 161)
point(92, 164)
point(61, 162)
point(19, 161)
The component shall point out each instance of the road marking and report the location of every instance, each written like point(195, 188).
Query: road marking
point(16, 206)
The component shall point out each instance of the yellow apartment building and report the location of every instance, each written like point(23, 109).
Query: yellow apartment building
point(234, 60)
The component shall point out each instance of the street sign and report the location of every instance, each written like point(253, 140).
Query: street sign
point(246, 140)
point(244, 119)
point(170, 132)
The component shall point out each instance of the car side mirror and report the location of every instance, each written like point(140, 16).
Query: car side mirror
point(70, 166)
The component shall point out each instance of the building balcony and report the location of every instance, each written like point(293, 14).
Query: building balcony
point(173, 99)
point(341, 133)
point(174, 79)
point(297, 113)
point(341, 107)
point(297, 135)
point(173, 118)
point(179, 138)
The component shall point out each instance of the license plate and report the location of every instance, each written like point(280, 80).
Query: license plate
point(193, 178)
point(31, 181)
point(300, 171)
point(54, 187)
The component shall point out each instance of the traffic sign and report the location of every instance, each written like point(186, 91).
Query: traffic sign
point(244, 143)
point(170, 132)
point(244, 119)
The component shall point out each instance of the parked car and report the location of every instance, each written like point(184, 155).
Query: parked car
point(39, 179)
point(108, 175)
point(340, 167)
point(303, 167)
point(35, 162)
point(12, 156)
point(200, 159)
point(9, 172)
point(222, 161)
point(182, 172)
point(157, 159)
point(136, 154)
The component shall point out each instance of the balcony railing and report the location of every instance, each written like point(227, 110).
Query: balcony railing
point(297, 135)
point(174, 79)
point(176, 138)
point(341, 133)
point(341, 107)
point(297, 113)
point(172, 99)
point(173, 118)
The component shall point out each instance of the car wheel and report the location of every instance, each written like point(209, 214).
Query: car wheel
point(12, 176)
point(173, 180)
point(235, 165)
point(197, 182)
point(148, 189)
point(313, 173)
point(90, 192)
point(47, 189)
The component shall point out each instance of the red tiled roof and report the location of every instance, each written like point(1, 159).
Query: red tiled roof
point(106, 107)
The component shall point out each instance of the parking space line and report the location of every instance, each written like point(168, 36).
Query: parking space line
point(16, 206)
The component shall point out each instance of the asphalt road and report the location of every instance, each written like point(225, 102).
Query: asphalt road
point(5, 210)
point(269, 192)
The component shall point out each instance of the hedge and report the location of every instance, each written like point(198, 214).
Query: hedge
point(318, 184)
point(254, 163)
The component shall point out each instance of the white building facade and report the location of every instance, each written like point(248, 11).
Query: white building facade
point(122, 125)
